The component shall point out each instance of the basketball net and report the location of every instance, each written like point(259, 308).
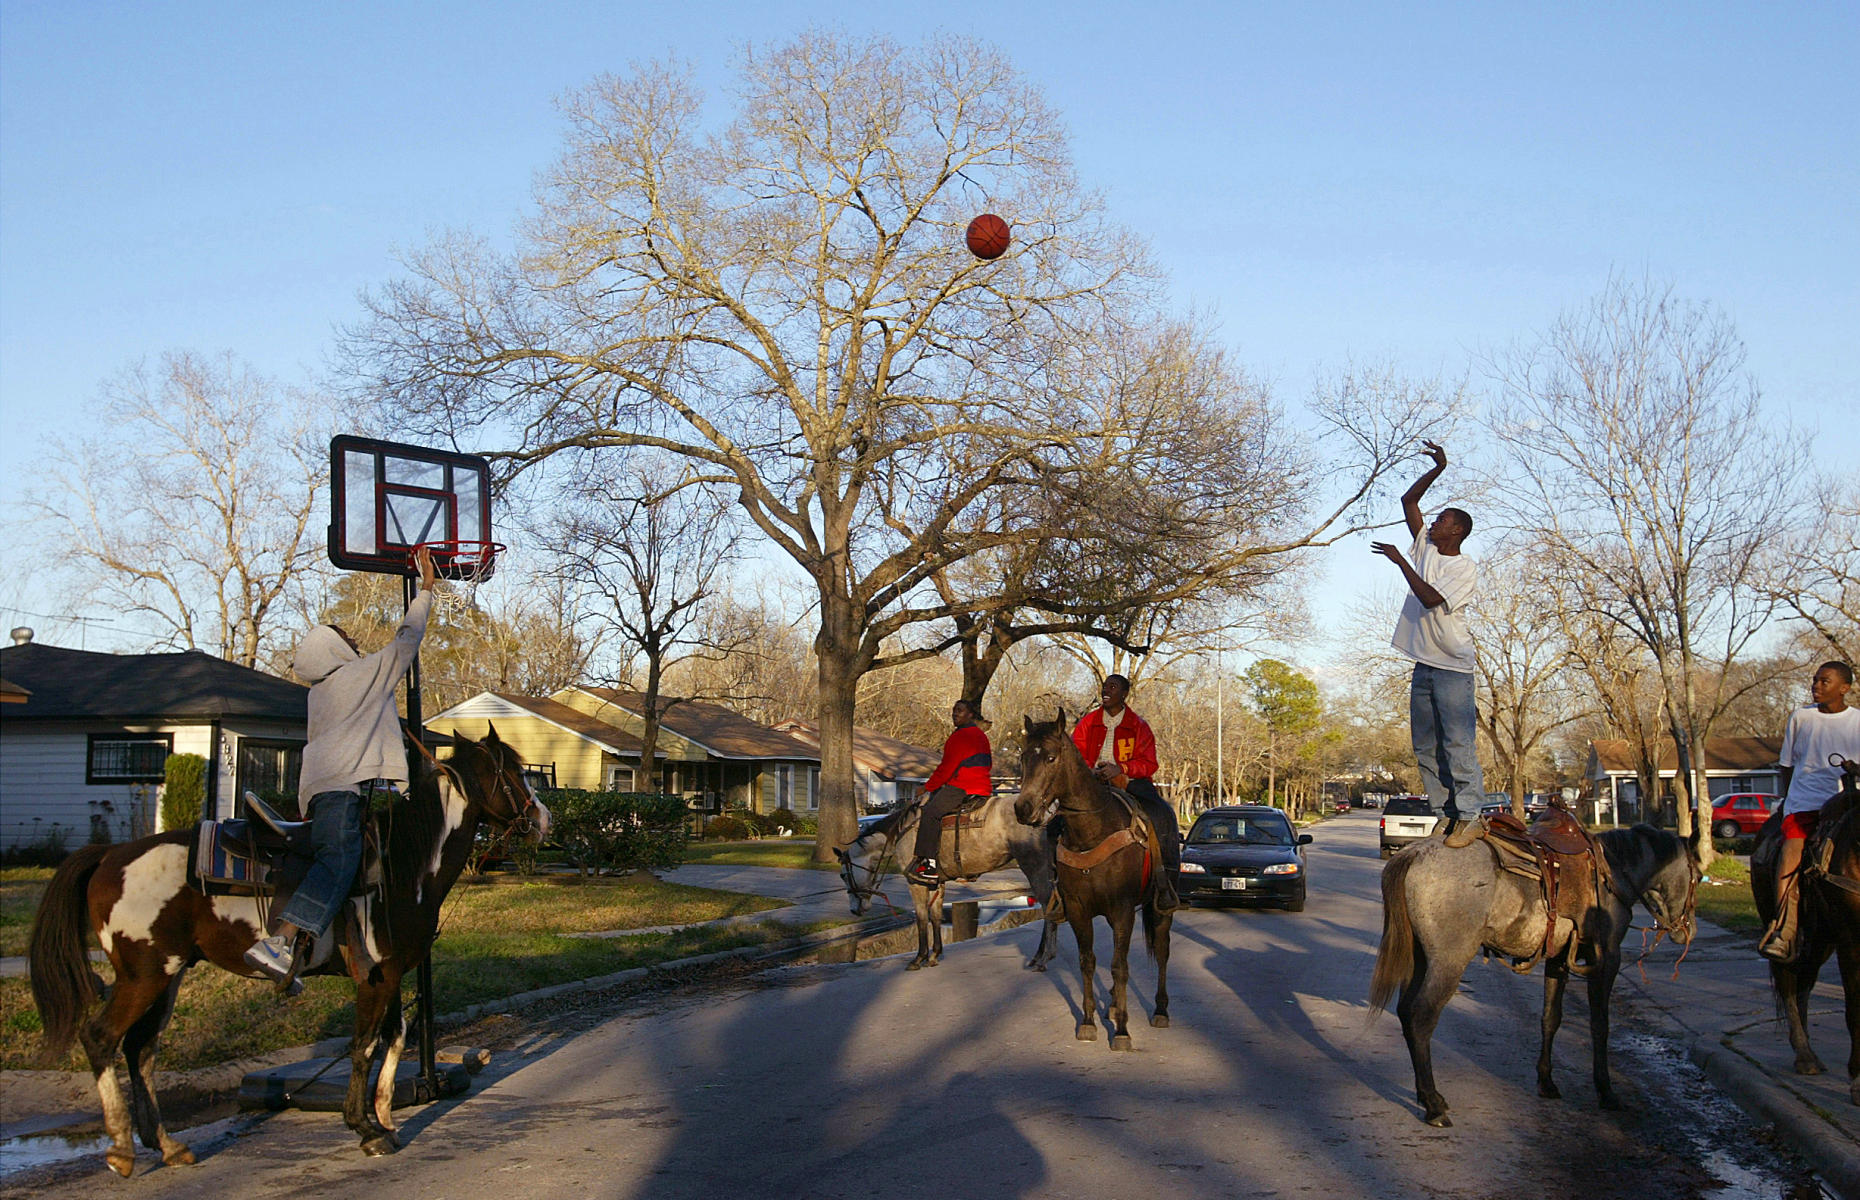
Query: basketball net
point(463, 566)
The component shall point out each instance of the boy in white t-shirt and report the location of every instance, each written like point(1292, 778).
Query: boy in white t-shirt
point(1432, 631)
point(1827, 728)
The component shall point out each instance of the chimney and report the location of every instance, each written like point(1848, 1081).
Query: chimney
point(21, 635)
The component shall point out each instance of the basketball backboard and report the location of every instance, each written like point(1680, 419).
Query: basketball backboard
point(385, 498)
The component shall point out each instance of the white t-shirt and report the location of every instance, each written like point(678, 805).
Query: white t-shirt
point(1438, 636)
point(1810, 737)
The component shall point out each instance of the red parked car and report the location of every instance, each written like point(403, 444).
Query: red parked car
point(1741, 814)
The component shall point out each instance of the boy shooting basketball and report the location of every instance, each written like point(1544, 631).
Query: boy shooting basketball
point(355, 748)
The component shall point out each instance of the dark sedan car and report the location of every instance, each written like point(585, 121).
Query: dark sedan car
point(1245, 852)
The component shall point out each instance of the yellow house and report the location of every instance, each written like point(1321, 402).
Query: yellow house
point(588, 737)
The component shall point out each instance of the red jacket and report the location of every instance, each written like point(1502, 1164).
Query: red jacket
point(1135, 750)
point(967, 757)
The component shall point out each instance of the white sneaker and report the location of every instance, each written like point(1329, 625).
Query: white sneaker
point(271, 955)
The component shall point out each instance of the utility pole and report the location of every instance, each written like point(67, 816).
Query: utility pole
point(1220, 733)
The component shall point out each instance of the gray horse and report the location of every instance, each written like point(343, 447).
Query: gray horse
point(994, 841)
point(1440, 904)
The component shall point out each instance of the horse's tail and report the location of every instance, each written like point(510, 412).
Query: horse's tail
point(1151, 919)
point(1395, 956)
point(63, 984)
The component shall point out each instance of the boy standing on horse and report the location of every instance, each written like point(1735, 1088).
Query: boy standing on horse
point(355, 746)
point(1432, 631)
point(963, 775)
point(1826, 729)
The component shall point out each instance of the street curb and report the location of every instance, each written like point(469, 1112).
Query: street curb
point(1834, 1156)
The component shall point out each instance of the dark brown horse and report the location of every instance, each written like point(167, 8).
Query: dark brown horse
point(136, 900)
point(1110, 861)
point(1830, 924)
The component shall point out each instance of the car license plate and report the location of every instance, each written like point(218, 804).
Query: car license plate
point(1230, 884)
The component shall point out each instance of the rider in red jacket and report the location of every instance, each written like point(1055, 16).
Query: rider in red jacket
point(1127, 760)
point(963, 775)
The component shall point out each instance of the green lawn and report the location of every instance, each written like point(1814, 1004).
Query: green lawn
point(20, 888)
point(497, 939)
point(1726, 899)
point(769, 852)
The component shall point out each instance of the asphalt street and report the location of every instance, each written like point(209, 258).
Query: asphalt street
point(866, 1080)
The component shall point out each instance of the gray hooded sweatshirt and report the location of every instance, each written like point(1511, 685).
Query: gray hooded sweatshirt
point(355, 732)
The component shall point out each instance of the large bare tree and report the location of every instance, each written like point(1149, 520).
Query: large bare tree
point(1647, 471)
point(1522, 669)
point(787, 304)
point(193, 504)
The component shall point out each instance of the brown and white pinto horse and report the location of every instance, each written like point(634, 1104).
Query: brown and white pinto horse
point(136, 900)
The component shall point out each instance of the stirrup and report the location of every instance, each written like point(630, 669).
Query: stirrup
point(301, 946)
point(924, 873)
point(1774, 946)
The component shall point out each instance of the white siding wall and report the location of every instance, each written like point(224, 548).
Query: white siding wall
point(42, 783)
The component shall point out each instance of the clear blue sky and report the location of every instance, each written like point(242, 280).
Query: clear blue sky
point(1334, 181)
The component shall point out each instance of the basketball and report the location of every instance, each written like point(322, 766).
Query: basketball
point(988, 236)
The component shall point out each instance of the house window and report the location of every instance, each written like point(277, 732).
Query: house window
point(128, 758)
point(268, 769)
point(784, 787)
point(619, 779)
point(813, 787)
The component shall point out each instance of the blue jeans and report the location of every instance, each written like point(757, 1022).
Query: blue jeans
point(336, 831)
point(1444, 726)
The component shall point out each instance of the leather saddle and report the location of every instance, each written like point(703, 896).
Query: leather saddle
point(969, 816)
point(1563, 857)
point(266, 855)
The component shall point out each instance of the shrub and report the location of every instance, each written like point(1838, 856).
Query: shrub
point(787, 821)
point(184, 792)
point(616, 831)
point(726, 827)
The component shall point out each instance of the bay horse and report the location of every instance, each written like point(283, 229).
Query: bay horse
point(136, 900)
point(1108, 863)
point(1441, 904)
point(988, 840)
point(1830, 924)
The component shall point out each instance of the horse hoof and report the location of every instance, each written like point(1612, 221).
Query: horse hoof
point(1160, 1021)
point(1440, 1121)
point(1549, 1091)
point(1086, 1033)
point(915, 965)
point(1609, 1103)
point(1121, 1042)
point(1811, 1066)
point(180, 1156)
point(122, 1164)
point(375, 1147)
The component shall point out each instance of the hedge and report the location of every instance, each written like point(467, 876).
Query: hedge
point(617, 831)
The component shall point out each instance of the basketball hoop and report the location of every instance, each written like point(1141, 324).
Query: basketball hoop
point(464, 561)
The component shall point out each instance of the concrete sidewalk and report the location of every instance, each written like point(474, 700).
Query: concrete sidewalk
point(1722, 1007)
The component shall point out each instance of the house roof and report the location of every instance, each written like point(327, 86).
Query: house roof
point(610, 737)
point(12, 693)
point(719, 731)
point(1616, 756)
point(163, 687)
point(874, 751)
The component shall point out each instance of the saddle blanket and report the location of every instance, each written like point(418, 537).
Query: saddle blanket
point(223, 856)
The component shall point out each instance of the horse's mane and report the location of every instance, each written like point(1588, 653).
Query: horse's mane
point(892, 821)
point(1639, 851)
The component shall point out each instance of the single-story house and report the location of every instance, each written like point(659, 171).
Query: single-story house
point(1731, 764)
point(83, 752)
point(884, 768)
point(589, 737)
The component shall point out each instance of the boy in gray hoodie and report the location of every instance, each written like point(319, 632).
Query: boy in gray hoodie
point(355, 744)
